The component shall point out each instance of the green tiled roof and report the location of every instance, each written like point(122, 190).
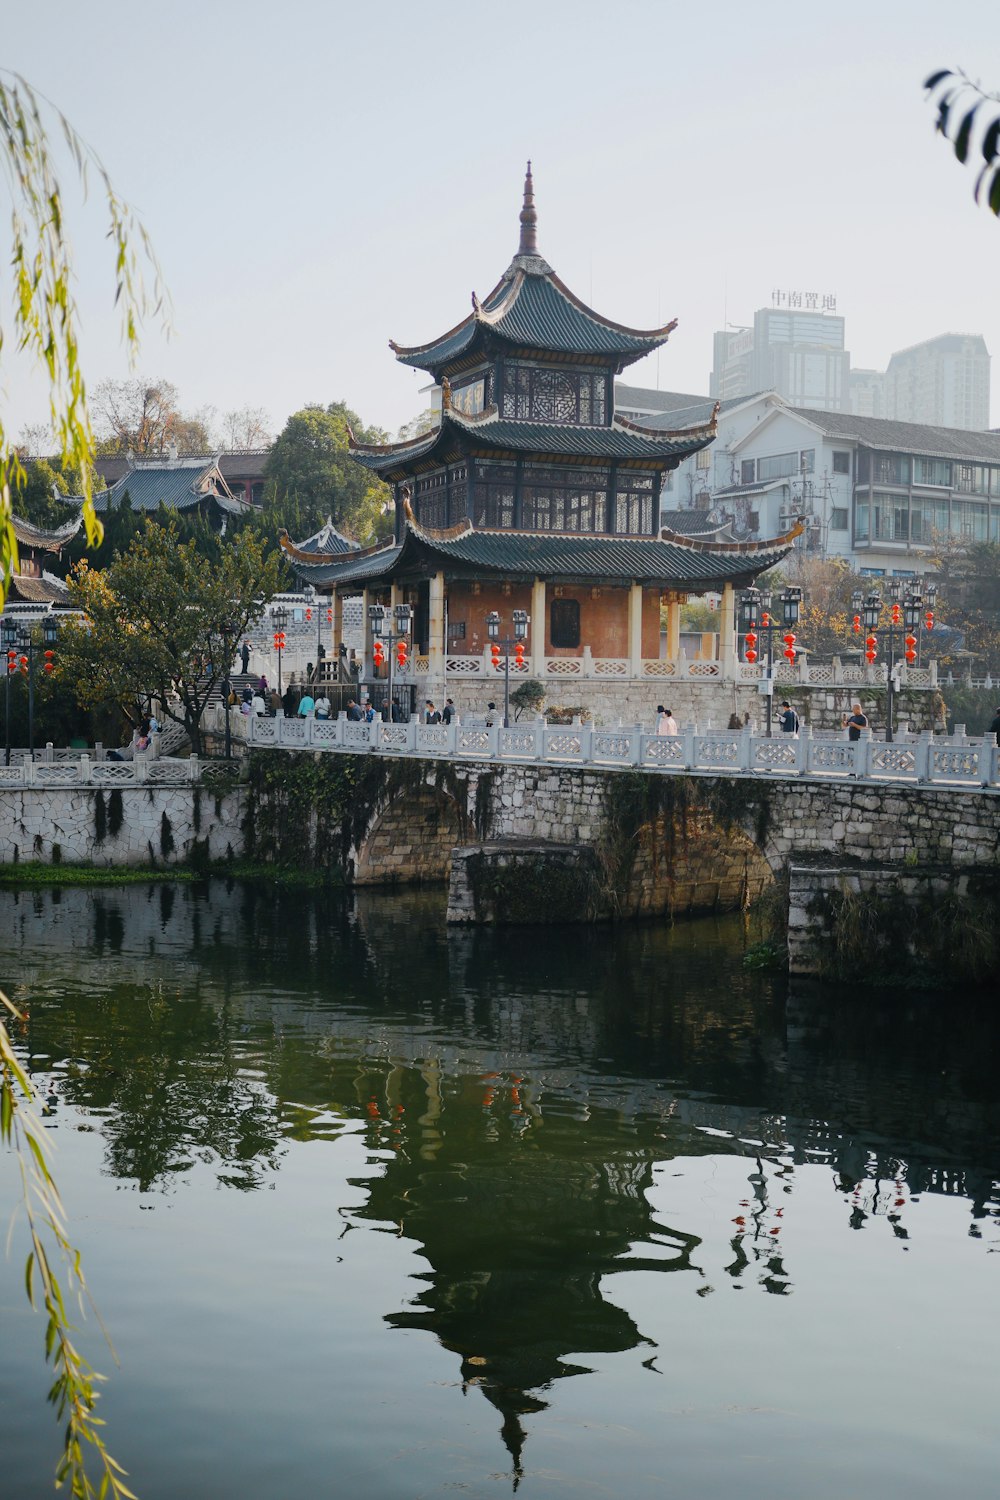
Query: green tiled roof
point(531, 309)
point(170, 483)
point(566, 440)
point(514, 554)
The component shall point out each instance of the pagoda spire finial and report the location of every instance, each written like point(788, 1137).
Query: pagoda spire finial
point(529, 218)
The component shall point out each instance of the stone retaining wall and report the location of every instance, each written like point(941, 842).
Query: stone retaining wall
point(707, 704)
point(129, 826)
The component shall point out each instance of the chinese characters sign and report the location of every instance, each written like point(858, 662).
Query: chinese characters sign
point(809, 301)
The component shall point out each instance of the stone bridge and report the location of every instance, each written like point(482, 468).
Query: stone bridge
point(669, 844)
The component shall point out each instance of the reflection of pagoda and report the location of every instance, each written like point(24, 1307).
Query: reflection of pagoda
point(518, 1240)
point(532, 493)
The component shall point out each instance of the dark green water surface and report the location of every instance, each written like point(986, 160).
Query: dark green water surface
point(374, 1208)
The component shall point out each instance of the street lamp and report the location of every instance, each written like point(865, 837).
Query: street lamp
point(905, 607)
point(279, 618)
point(8, 636)
point(312, 603)
point(521, 622)
point(391, 627)
point(755, 615)
point(50, 634)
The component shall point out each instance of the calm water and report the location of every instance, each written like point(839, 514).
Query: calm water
point(372, 1208)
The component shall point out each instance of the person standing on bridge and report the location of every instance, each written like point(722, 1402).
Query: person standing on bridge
point(855, 722)
point(665, 721)
point(788, 718)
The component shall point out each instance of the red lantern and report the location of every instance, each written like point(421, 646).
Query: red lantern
point(495, 654)
point(49, 663)
point(896, 615)
point(378, 654)
point(751, 655)
point(401, 653)
point(911, 657)
point(765, 620)
point(329, 617)
point(519, 654)
point(309, 615)
point(910, 642)
point(751, 646)
point(856, 625)
point(929, 620)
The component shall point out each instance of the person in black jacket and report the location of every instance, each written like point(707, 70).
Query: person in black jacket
point(995, 726)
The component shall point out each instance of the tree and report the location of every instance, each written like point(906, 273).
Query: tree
point(163, 621)
point(959, 103)
point(142, 416)
point(311, 475)
point(246, 429)
point(425, 421)
point(44, 325)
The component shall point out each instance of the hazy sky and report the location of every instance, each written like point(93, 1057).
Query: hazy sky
point(321, 177)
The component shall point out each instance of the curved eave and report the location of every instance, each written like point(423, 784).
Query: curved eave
point(680, 563)
point(549, 322)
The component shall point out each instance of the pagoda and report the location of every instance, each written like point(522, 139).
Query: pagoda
point(531, 493)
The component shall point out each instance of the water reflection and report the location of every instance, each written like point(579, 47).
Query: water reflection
point(519, 1094)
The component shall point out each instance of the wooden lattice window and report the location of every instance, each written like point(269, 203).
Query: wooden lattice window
point(538, 393)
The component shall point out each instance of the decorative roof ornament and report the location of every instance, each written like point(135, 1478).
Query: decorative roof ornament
point(445, 393)
point(528, 218)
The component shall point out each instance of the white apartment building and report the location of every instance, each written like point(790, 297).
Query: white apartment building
point(874, 492)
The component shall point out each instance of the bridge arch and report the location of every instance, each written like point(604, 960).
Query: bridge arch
point(410, 837)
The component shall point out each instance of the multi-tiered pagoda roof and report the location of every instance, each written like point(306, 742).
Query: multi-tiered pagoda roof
point(529, 471)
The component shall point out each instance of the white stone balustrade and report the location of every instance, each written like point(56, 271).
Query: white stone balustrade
point(923, 759)
point(143, 770)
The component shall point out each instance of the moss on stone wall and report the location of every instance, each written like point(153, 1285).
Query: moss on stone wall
point(535, 888)
point(313, 809)
point(884, 937)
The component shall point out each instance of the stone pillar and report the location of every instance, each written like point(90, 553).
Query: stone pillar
point(635, 630)
point(727, 633)
point(537, 636)
point(366, 635)
point(673, 628)
point(435, 637)
point(338, 634)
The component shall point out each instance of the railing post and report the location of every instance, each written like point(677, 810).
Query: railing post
point(194, 769)
point(862, 754)
point(688, 735)
point(587, 743)
point(587, 663)
point(28, 771)
point(989, 763)
point(84, 764)
point(802, 750)
point(746, 748)
point(539, 736)
point(922, 756)
point(139, 762)
point(99, 751)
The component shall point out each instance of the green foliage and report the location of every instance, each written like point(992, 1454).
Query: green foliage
point(163, 620)
point(974, 136)
point(141, 416)
point(973, 707)
point(884, 938)
point(698, 615)
point(74, 1390)
point(969, 577)
point(311, 475)
point(527, 697)
point(41, 278)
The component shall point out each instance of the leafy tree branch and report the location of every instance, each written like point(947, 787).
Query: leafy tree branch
point(964, 118)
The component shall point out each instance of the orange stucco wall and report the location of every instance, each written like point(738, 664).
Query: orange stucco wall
point(603, 617)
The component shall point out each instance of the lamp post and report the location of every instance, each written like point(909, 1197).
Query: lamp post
point(312, 603)
point(517, 640)
point(228, 647)
point(904, 625)
point(279, 618)
point(50, 633)
point(8, 636)
point(390, 629)
point(755, 615)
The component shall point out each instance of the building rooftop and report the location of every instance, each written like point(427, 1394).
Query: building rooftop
point(531, 309)
point(906, 437)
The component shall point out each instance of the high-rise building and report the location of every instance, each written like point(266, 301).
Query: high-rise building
point(944, 382)
point(867, 393)
point(798, 352)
